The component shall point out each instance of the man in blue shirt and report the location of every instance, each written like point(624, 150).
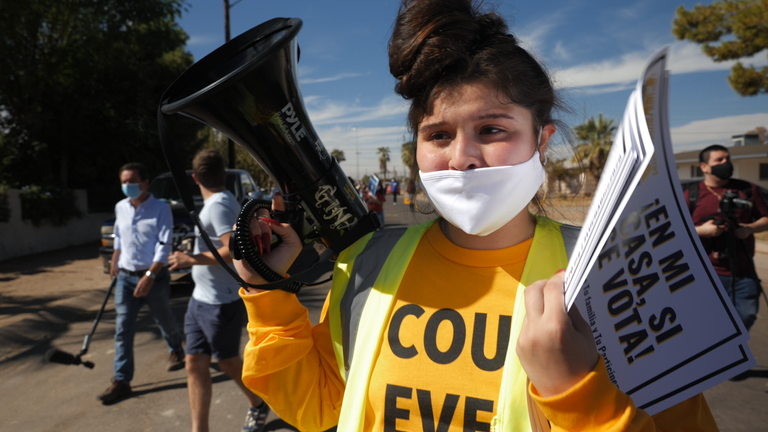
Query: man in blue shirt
point(214, 320)
point(143, 241)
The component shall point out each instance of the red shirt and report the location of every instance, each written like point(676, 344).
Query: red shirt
point(708, 205)
point(375, 203)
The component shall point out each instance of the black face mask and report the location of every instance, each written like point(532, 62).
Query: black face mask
point(723, 171)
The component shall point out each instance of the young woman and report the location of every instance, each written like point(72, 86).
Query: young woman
point(457, 324)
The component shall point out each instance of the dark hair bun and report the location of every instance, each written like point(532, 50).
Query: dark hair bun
point(431, 38)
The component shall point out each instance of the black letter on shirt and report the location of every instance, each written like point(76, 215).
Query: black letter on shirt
point(394, 331)
point(428, 418)
point(478, 343)
point(430, 336)
point(391, 411)
point(471, 407)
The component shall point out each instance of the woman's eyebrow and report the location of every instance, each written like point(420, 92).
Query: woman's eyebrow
point(495, 116)
point(488, 116)
point(432, 125)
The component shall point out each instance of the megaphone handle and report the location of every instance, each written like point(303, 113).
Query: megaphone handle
point(248, 251)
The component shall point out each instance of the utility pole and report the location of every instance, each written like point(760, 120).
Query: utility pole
point(231, 144)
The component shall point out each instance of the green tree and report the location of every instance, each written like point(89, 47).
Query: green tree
point(595, 138)
point(740, 27)
point(408, 153)
point(80, 82)
point(383, 153)
point(339, 155)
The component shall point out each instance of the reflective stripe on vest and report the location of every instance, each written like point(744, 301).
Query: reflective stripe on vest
point(368, 290)
point(361, 281)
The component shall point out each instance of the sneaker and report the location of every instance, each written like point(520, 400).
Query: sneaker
point(116, 391)
point(176, 360)
point(256, 418)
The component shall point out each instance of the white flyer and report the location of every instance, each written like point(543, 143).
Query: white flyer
point(660, 318)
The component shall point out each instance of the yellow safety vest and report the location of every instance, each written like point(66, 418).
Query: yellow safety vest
point(363, 294)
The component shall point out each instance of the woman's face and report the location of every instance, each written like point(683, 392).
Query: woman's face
point(471, 128)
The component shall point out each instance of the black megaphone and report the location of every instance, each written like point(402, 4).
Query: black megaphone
point(248, 89)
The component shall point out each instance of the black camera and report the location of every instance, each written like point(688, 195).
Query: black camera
point(732, 201)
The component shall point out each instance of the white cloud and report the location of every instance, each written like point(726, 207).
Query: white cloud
point(325, 112)
point(534, 39)
point(620, 70)
point(328, 79)
point(685, 57)
point(305, 70)
point(688, 57)
point(610, 88)
point(195, 40)
point(560, 51)
point(714, 131)
point(312, 99)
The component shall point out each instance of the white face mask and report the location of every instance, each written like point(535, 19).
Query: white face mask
point(482, 200)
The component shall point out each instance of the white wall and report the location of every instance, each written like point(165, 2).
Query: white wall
point(19, 237)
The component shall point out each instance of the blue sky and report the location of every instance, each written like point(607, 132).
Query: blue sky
point(595, 50)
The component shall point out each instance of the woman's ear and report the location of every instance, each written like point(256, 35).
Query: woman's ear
point(546, 134)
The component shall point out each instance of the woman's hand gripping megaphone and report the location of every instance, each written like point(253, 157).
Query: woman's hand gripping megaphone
point(278, 259)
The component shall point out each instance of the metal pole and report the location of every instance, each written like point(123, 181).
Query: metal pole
point(230, 143)
point(226, 20)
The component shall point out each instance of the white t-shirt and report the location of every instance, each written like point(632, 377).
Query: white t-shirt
point(213, 284)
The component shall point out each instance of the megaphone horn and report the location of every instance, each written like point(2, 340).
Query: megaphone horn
point(249, 90)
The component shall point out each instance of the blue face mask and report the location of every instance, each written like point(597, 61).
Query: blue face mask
point(132, 190)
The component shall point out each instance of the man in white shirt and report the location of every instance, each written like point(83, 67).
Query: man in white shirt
point(143, 241)
point(214, 320)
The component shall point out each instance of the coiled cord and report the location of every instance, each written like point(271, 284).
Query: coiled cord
point(250, 252)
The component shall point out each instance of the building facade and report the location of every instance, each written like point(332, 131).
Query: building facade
point(750, 163)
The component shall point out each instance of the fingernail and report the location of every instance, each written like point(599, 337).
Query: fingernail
point(261, 247)
point(560, 271)
point(267, 240)
point(270, 221)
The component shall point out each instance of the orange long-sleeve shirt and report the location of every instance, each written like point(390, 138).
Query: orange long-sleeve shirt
point(441, 357)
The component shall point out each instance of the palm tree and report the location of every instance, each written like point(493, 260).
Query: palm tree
point(595, 138)
point(408, 153)
point(383, 153)
point(339, 155)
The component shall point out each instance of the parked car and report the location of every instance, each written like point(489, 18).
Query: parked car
point(239, 182)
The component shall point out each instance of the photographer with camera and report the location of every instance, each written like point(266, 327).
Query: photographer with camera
point(727, 213)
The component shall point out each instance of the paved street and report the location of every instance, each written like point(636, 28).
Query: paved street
point(37, 396)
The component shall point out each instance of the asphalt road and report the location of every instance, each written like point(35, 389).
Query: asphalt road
point(37, 396)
